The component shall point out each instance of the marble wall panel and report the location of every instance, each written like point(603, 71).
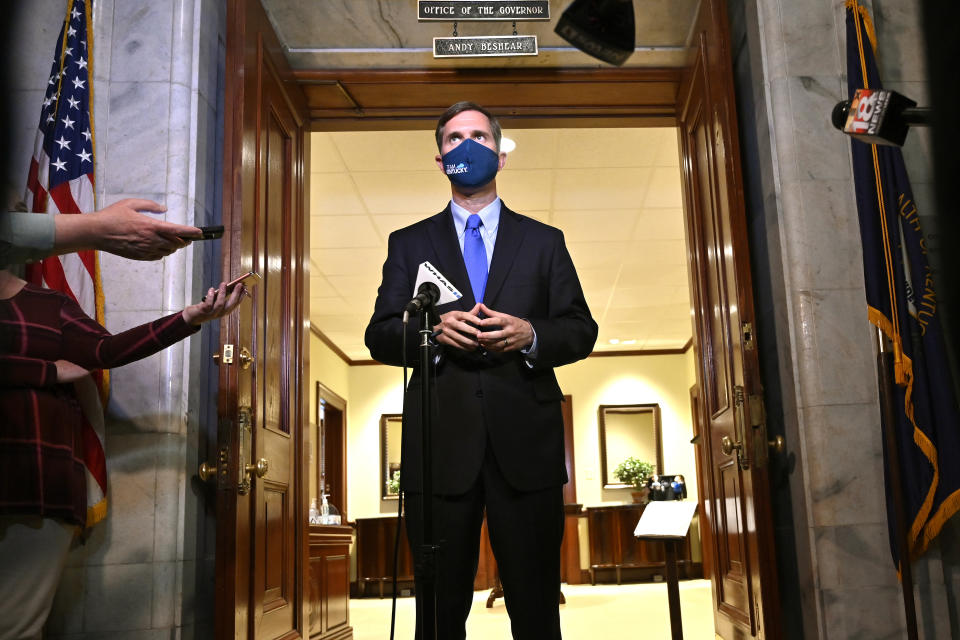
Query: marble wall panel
point(845, 464)
point(824, 245)
point(32, 42)
point(103, 11)
point(822, 152)
point(137, 132)
point(784, 134)
point(168, 541)
point(126, 536)
point(23, 112)
point(119, 598)
point(834, 359)
point(808, 40)
point(141, 42)
point(181, 146)
point(164, 609)
point(851, 557)
point(134, 285)
point(865, 613)
point(900, 54)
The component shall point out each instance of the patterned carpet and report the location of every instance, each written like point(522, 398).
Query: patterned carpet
point(591, 612)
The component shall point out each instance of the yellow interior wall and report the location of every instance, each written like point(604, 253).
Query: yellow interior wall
point(661, 379)
point(372, 390)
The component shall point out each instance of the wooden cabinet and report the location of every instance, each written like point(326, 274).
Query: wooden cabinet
point(375, 543)
point(375, 540)
point(330, 582)
point(616, 554)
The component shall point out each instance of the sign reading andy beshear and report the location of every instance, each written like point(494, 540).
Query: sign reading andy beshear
point(508, 10)
point(484, 46)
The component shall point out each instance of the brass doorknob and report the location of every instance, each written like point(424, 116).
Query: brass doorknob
point(727, 445)
point(777, 445)
point(207, 471)
point(260, 468)
point(245, 358)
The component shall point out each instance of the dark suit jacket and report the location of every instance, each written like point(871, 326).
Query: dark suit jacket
point(487, 396)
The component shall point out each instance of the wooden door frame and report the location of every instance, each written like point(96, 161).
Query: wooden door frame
point(242, 183)
point(327, 396)
point(358, 100)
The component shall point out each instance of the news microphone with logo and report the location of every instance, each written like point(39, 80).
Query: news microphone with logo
point(445, 292)
point(427, 296)
point(877, 116)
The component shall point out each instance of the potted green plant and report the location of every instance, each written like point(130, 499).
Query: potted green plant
point(393, 484)
point(635, 472)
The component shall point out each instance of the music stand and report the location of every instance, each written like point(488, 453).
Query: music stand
point(668, 521)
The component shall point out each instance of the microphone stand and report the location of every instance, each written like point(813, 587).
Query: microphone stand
point(427, 602)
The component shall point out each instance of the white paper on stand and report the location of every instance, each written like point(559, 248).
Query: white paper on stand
point(665, 519)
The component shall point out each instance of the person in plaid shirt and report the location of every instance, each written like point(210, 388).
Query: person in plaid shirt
point(47, 343)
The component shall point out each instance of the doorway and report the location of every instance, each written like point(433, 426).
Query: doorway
point(698, 98)
point(616, 194)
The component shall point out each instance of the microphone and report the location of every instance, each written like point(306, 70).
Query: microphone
point(877, 116)
point(440, 291)
point(427, 296)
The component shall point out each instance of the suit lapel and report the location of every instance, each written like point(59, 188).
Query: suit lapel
point(509, 238)
point(443, 235)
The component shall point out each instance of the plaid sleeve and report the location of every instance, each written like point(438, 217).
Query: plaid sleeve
point(22, 371)
point(89, 345)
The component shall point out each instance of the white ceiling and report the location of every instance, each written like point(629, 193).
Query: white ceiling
point(615, 193)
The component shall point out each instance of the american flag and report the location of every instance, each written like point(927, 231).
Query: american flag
point(61, 181)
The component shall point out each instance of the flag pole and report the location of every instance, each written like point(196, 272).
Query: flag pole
point(885, 364)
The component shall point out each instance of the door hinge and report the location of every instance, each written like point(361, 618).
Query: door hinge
point(245, 435)
point(758, 423)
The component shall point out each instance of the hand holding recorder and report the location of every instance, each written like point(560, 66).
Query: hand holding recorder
point(220, 301)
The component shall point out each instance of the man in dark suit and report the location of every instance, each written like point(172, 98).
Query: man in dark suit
point(497, 424)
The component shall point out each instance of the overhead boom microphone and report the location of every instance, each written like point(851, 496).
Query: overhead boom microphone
point(876, 116)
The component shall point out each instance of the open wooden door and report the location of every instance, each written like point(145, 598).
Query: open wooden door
point(263, 407)
point(737, 500)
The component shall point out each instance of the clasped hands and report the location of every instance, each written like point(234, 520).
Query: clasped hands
point(464, 330)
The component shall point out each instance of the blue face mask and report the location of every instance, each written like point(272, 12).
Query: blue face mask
point(470, 164)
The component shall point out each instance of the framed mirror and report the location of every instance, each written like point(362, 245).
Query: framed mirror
point(391, 426)
point(628, 430)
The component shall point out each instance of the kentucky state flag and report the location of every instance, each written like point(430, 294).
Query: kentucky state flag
point(903, 304)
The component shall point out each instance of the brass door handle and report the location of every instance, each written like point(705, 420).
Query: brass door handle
point(777, 445)
point(728, 447)
point(207, 471)
point(245, 358)
point(259, 469)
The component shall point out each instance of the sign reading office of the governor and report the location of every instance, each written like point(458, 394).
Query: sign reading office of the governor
point(494, 10)
point(491, 11)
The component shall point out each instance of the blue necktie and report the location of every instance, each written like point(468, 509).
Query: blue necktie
point(475, 257)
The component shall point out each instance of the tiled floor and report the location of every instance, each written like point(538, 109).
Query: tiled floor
point(591, 612)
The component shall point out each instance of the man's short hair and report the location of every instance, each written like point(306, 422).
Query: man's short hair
point(460, 107)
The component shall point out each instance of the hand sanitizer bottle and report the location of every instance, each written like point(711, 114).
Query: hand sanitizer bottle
point(324, 509)
point(328, 513)
point(314, 512)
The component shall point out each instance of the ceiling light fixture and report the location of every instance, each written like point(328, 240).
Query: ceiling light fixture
point(614, 340)
point(507, 145)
